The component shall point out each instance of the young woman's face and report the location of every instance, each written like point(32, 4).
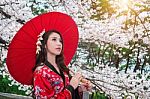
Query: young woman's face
point(54, 44)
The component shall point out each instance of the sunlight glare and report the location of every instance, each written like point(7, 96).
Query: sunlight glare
point(124, 4)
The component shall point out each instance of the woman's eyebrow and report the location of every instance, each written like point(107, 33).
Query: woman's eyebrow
point(55, 37)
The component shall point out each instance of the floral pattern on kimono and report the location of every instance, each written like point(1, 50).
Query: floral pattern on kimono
point(49, 85)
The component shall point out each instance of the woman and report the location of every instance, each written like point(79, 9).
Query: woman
point(51, 76)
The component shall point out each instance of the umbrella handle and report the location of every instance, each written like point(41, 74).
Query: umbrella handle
point(85, 95)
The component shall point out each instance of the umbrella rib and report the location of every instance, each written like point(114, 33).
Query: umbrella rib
point(24, 42)
point(34, 27)
point(29, 34)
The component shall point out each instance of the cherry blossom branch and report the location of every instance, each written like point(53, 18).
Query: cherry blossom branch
point(9, 16)
point(108, 83)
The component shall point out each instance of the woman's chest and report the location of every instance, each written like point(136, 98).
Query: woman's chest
point(57, 81)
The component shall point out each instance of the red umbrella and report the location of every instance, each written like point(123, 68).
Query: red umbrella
point(22, 49)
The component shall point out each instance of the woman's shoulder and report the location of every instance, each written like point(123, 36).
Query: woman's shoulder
point(40, 68)
point(42, 71)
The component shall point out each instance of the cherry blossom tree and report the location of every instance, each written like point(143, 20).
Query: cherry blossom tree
point(114, 43)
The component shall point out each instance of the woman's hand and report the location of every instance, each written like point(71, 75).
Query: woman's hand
point(74, 82)
point(85, 85)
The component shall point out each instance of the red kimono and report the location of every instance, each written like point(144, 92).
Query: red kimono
point(49, 84)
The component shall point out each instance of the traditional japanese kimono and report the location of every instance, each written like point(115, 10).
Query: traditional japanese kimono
point(49, 84)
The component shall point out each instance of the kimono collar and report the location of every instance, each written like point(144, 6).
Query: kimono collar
point(53, 69)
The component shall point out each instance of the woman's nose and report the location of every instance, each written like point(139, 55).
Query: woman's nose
point(59, 43)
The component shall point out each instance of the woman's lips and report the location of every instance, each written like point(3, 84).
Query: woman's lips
point(58, 49)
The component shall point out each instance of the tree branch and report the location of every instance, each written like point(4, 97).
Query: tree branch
point(9, 16)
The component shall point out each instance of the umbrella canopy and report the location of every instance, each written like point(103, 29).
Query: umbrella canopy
point(21, 55)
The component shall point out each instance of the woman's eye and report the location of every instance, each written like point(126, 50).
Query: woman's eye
point(53, 39)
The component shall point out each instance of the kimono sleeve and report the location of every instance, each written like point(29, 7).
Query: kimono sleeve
point(44, 90)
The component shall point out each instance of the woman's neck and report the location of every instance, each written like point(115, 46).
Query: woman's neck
point(51, 59)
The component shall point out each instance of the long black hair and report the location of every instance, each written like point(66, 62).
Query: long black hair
point(41, 58)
